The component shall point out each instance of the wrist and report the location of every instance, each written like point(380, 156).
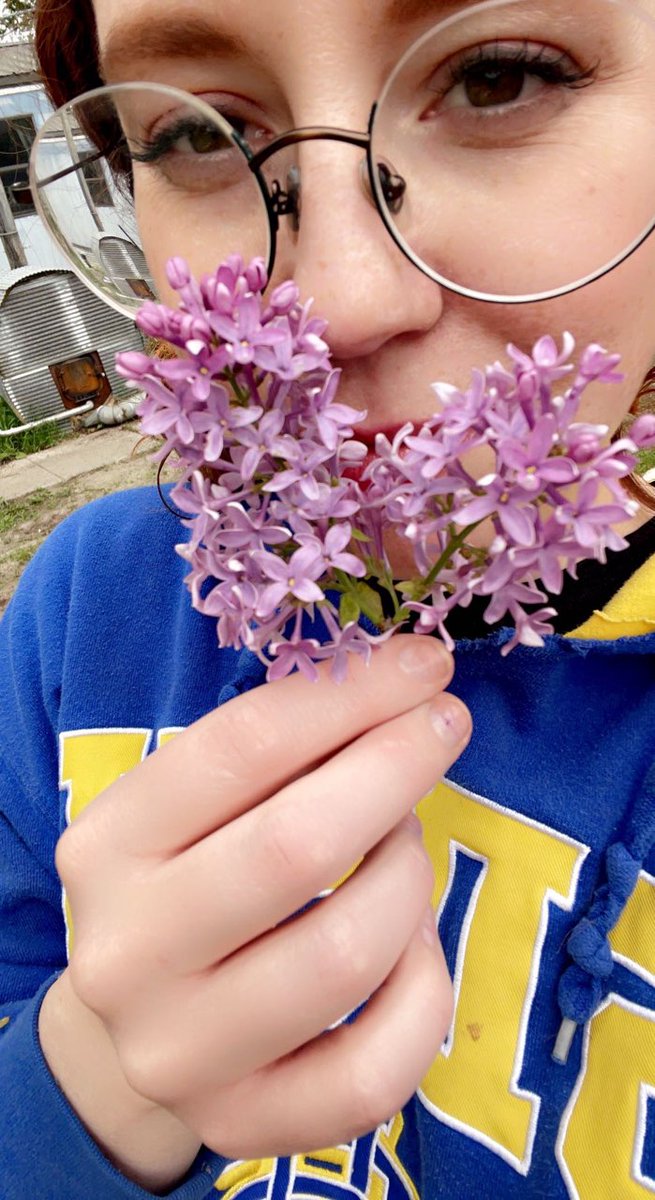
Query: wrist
point(143, 1141)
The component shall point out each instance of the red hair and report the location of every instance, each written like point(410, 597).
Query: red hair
point(67, 48)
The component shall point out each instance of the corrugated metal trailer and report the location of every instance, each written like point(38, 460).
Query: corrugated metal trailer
point(49, 318)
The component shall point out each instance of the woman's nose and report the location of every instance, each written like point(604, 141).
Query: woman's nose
point(340, 254)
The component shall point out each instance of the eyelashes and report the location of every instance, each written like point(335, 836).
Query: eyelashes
point(498, 71)
point(551, 66)
point(201, 138)
point(493, 77)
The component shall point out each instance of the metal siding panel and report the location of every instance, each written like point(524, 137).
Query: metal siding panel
point(45, 320)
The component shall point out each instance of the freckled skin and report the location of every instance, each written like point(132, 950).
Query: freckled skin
point(392, 330)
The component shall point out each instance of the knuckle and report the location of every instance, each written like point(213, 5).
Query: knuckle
point(316, 850)
point(395, 745)
point(225, 1124)
point(374, 1099)
point(92, 977)
point(289, 853)
point(249, 737)
point(151, 1068)
point(342, 951)
point(72, 853)
point(227, 750)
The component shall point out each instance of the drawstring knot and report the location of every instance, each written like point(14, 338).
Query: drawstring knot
point(622, 872)
point(590, 949)
point(585, 982)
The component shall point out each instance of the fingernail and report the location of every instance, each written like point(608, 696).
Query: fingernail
point(425, 658)
point(450, 720)
point(429, 928)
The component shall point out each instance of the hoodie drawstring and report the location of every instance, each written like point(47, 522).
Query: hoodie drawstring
point(586, 982)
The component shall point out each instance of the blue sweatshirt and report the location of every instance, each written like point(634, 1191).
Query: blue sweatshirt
point(543, 829)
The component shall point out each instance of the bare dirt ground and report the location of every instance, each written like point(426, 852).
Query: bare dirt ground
point(25, 523)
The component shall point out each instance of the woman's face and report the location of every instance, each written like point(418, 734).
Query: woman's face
point(292, 63)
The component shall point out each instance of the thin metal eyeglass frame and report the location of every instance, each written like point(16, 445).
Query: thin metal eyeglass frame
point(309, 133)
point(365, 142)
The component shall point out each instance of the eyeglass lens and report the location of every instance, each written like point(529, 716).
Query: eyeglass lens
point(512, 157)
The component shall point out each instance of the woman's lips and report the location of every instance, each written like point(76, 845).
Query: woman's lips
point(368, 438)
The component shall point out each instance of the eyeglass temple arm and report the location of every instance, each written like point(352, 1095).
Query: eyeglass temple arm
point(91, 158)
point(310, 134)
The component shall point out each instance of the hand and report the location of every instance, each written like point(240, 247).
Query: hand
point(186, 878)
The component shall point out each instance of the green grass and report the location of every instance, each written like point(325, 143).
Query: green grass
point(646, 461)
point(12, 512)
point(25, 443)
point(22, 555)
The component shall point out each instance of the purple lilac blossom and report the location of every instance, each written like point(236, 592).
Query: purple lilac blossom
point(281, 526)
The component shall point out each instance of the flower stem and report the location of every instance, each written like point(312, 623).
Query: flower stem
point(453, 546)
point(386, 580)
point(243, 397)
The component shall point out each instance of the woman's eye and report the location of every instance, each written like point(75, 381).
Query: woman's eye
point(189, 135)
point(206, 140)
point(489, 86)
point(186, 136)
point(505, 77)
point(188, 150)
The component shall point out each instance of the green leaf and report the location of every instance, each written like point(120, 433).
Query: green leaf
point(349, 610)
point(369, 602)
point(411, 591)
point(358, 536)
point(16, 17)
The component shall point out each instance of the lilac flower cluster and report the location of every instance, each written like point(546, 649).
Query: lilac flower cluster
point(286, 519)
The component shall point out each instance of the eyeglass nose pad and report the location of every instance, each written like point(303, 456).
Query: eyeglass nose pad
point(294, 193)
point(287, 201)
point(394, 187)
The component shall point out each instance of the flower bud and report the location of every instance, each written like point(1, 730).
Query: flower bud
point(152, 321)
point(642, 431)
point(177, 273)
point(133, 364)
point(285, 297)
point(256, 275)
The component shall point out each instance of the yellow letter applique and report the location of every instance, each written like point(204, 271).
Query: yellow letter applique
point(369, 1168)
point(526, 868)
point(617, 1076)
point(89, 761)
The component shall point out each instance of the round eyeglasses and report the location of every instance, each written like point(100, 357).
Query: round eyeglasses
point(510, 156)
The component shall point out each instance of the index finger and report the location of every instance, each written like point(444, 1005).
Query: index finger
point(243, 752)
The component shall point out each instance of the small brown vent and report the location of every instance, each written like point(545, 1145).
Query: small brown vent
point(81, 379)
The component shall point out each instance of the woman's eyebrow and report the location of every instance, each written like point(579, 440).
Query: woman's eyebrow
point(132, 41)
point(400, 11)
point(144, 38)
